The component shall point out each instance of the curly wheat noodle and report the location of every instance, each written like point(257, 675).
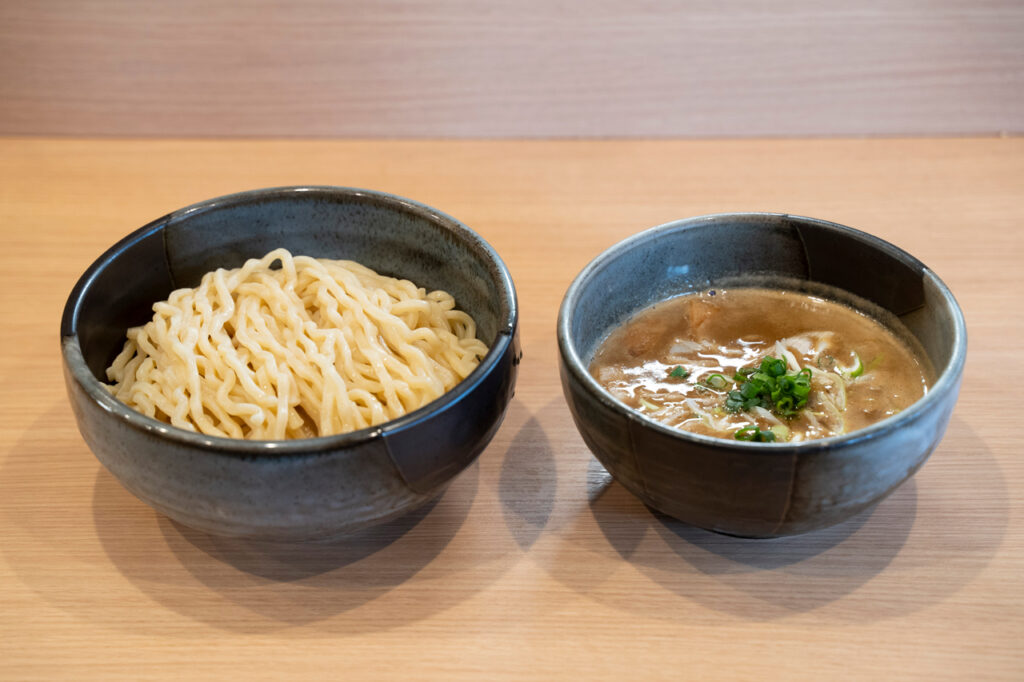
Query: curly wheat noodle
point(313, 348)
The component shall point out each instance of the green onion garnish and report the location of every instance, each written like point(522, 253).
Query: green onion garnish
point(679, 372)
point(859, 369)
point(717, 381)
point(772, 387)
point(753, 433)
point(853, 371)
point(742, 373)
point(773, 367)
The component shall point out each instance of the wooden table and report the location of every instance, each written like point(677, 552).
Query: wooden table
point(533, 564)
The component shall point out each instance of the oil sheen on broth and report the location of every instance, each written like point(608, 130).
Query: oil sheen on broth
point(759, 364)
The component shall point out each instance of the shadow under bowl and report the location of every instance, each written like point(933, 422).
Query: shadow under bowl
point(744, 488)
point(299, 489)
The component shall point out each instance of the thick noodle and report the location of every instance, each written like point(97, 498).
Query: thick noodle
point(311, 348)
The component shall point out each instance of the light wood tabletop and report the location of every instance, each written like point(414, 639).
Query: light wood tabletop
point(533, 564)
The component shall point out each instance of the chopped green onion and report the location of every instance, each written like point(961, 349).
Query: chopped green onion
point(752, 388)
point(753, 433)
point(773, 367)
point(854, 370)
point(679, 372)
point(717, 381)
point(770, 386)
point(742, 373)
point(781, 431)
point(859, 369)
point(735, 401)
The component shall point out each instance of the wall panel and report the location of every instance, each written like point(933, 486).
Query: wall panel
point(511, 68)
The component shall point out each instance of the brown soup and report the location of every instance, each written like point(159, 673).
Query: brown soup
point(760, 364)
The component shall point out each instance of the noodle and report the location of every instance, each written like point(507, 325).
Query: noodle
point(313, 348)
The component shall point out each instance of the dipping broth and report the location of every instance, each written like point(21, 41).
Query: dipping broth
point(759, 364)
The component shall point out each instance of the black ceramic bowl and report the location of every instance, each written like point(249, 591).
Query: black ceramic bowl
point(311, 488)
point(743, 488)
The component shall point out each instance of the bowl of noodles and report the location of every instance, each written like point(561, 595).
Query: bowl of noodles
point(292, 363)
point(760, 374)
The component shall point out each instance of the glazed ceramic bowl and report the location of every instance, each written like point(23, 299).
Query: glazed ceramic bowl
point(745, 488)
point(299, 489)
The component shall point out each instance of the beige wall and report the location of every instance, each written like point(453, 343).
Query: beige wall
point(511, 68)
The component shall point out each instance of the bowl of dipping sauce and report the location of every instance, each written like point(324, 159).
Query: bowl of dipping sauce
point(760, 374)
point(292, 363)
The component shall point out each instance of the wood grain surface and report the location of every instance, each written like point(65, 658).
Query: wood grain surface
point(533, 565)
point(511, 68)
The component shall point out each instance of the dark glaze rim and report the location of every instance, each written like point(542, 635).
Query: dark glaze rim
point(76, 364)
point(945, 381)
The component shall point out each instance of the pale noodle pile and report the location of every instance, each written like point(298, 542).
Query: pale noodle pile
point(316, 347)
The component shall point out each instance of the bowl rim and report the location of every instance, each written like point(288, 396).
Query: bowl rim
point(947, 380)
point(75, 362)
